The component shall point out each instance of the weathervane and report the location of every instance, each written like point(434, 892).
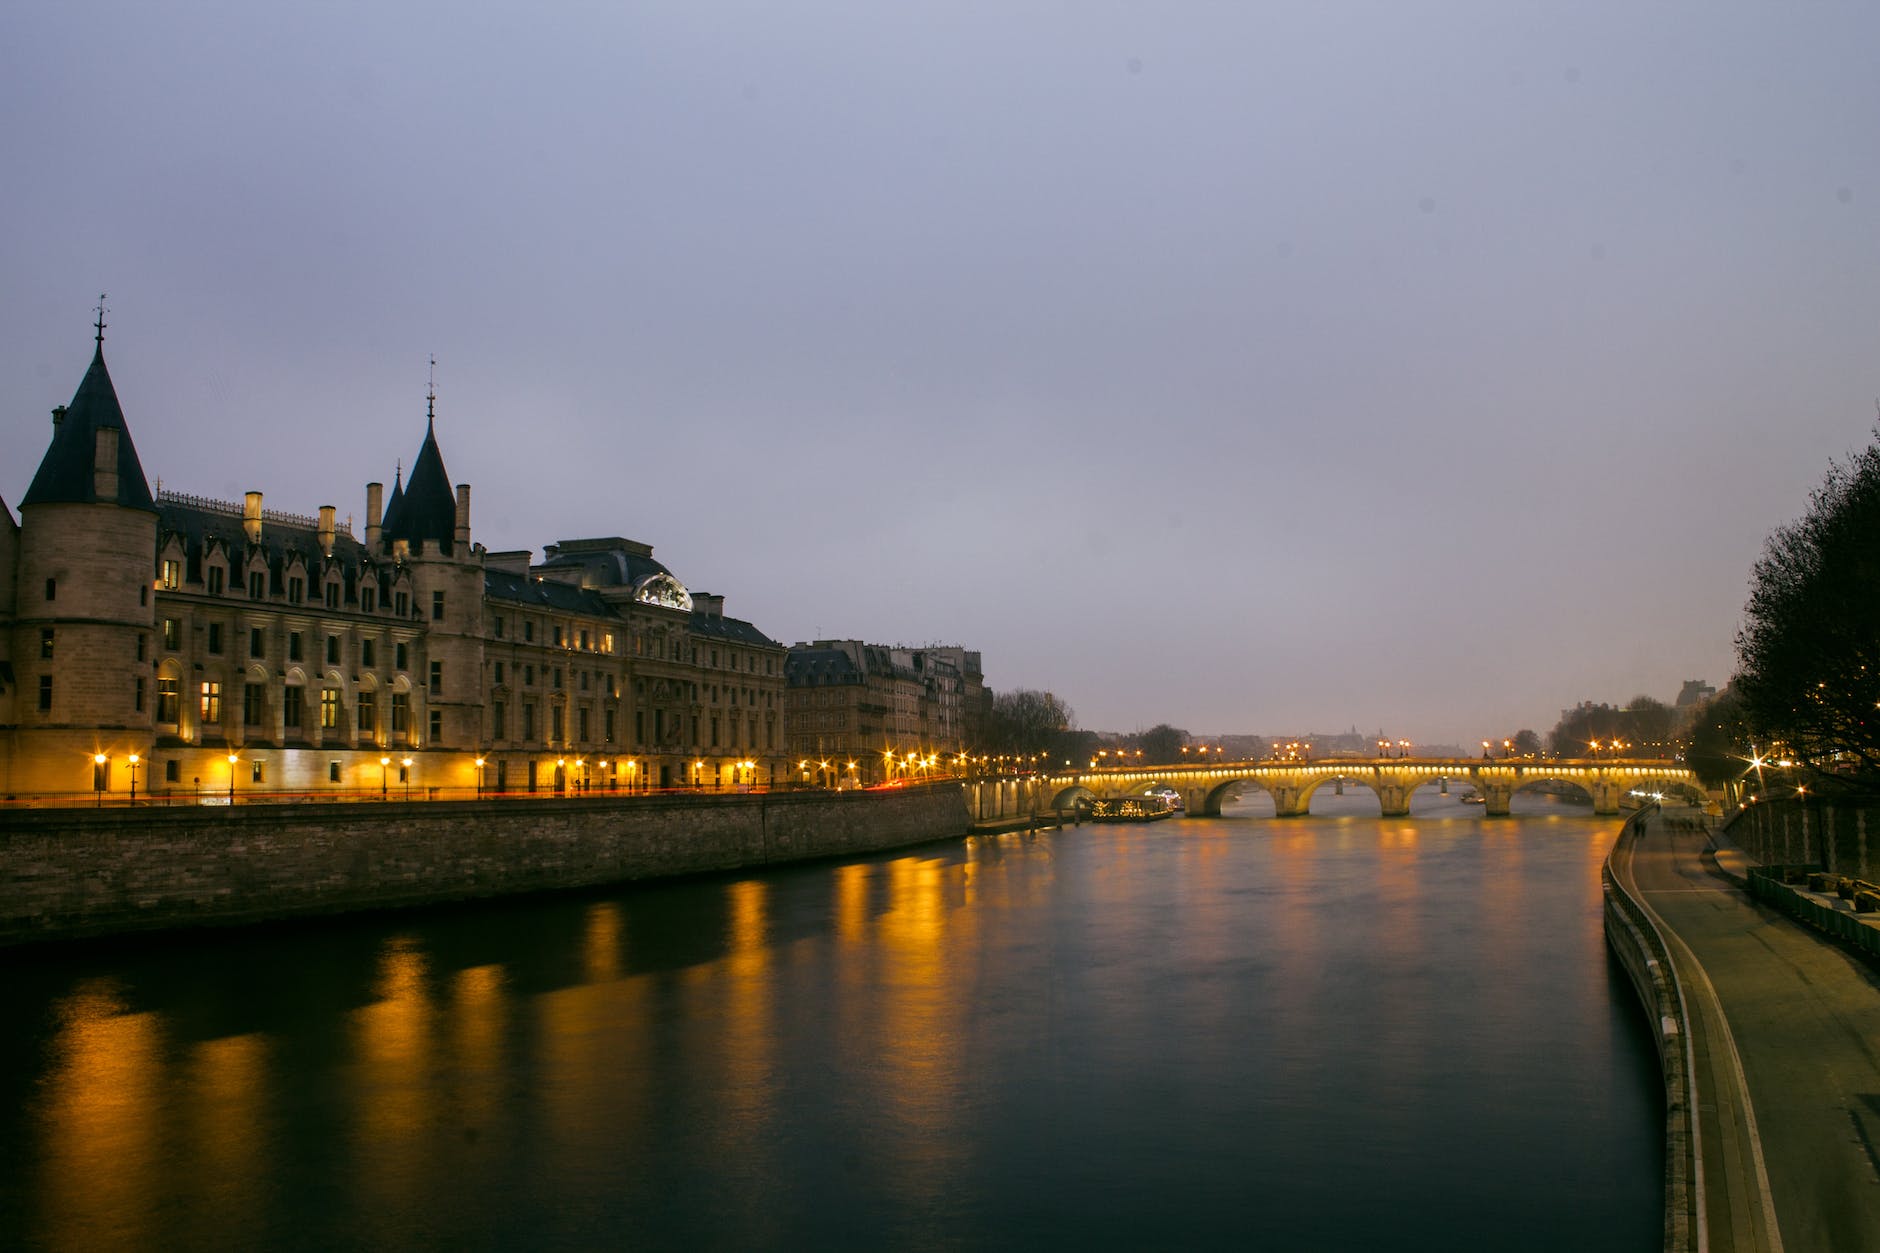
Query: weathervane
point(430, 393)
point(100, 322)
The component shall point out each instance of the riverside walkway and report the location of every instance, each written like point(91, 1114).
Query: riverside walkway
point(1785, 1044)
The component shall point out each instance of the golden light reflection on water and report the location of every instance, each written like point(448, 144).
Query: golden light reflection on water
point(392, 1039)
point(601, 941)
point(226, 1084)
point(749, 1006)
point(479, 1015)
point(103, 1160)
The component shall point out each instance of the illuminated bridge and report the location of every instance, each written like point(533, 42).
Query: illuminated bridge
point(1291, 783)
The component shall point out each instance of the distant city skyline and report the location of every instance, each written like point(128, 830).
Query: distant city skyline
point(1430, 369)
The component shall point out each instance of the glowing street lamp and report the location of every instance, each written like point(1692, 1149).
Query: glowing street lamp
point(232, 759)
point(406, 763)
point(97, 778)
point(479, 777)
point(385, 773)
point(133, 764)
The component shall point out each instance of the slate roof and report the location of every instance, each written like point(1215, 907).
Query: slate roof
point(608, 567)
point(65, 474)
point(736, 630)
point(427, 508)
point(820, 667)
point(544, 593)
point(195, 526)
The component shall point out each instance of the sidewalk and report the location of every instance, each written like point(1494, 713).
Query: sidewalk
point(1799, 1018)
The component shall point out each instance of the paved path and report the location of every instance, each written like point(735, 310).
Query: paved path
point(1803, 1017)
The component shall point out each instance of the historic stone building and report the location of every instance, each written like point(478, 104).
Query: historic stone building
point(211, 649)
point(870, 713)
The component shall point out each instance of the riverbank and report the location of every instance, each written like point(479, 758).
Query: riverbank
point(72, 873)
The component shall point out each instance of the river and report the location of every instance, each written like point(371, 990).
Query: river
point(1337, 1032)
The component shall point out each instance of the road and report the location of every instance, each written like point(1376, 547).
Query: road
point(1798, 1019)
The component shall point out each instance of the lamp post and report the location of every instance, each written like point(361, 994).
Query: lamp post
point(97, 778)
point(232, 759)
point(479, 778)
point(133, 764)
point(385, 775)
point(406, 763)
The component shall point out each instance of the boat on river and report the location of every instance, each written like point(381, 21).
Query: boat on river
point(1131, 809)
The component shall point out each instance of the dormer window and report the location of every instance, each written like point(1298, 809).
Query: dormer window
point(172, 574)
point(368, 599)
point(215, 576)
point(296, 590)
point(332, 594)
point(257, 585)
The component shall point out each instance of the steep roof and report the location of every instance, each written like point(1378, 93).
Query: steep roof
point(736, 630)
point(428, 508)
point(66, 473)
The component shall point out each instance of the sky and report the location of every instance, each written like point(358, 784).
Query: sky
point(1424, 368)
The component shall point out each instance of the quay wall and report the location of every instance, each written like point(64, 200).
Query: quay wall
point(1633, 935)
point(1841, 838)
point(69, 873)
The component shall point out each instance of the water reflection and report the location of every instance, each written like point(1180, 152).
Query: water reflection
point(1353, 1027)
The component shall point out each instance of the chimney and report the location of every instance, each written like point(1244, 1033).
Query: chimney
point(58, 416)
point(251, 517)
point(463, 514)
point(374, 497)
point(326, 529)
point(104, 462)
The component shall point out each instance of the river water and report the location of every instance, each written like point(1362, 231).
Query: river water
point(1338, 1032)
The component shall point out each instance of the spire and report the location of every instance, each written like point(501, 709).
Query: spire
point(68, 474)
point(430, 399)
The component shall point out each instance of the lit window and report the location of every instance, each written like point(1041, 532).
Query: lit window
point(211, 702)
point(172, 574)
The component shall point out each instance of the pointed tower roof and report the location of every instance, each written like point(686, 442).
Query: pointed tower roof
point(426, 509)
point(66, 473)
point(395, 503)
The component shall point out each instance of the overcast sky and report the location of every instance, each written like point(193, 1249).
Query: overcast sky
point(1423, 367)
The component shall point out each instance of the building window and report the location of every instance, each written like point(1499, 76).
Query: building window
point(557, 683)
point(172, 634)
point(259, 774)
point(290, 708)
point(140, 696)
point(215, 637)
point(368, 599)
point(332, 772)
point(211, 702)
point(251, 704)
point(368, 652)
point(437, 606)
point(607, 642)
point(172, 771)
point(143, 594)
point(398, 658)
point(558, 637)
point(216, 575)
point(401, 712)
point(329, 708)
point(581, 723)
point(332, 595)
point(256, 642)
point(528, 722)
point(498, 626)
point(169, 699)
point(437, 725)
point(584, 640)
point(172, 575)
point(528, 676)
point(45, 693)
point(401, 605)
point(555, 713)
point(45, 644)
point(296, 590)
point(607, 722)
point(584, 680)
point(497, 719)
point(368, 710)
point(293, 645)
point(499, 672)
point(437, 678)
point(332, 650)
point(528, 624)
point(52, 589)
point(257, 585)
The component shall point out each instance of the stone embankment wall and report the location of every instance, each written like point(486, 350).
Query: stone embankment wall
point(77, 872)
point(1843, 838)
point(1634, 937)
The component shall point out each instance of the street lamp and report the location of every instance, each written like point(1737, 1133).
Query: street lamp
point(385, 772)
point(479, 778)
point(97, 778)
point(133, 764)
point(232, 759)
point(406, 763)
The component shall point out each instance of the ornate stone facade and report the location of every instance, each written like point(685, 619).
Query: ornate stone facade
point(213, 649)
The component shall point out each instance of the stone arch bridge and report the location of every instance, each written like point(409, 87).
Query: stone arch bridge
point(1292, 783)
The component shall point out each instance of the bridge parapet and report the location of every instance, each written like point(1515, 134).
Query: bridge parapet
point(1394, 779)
